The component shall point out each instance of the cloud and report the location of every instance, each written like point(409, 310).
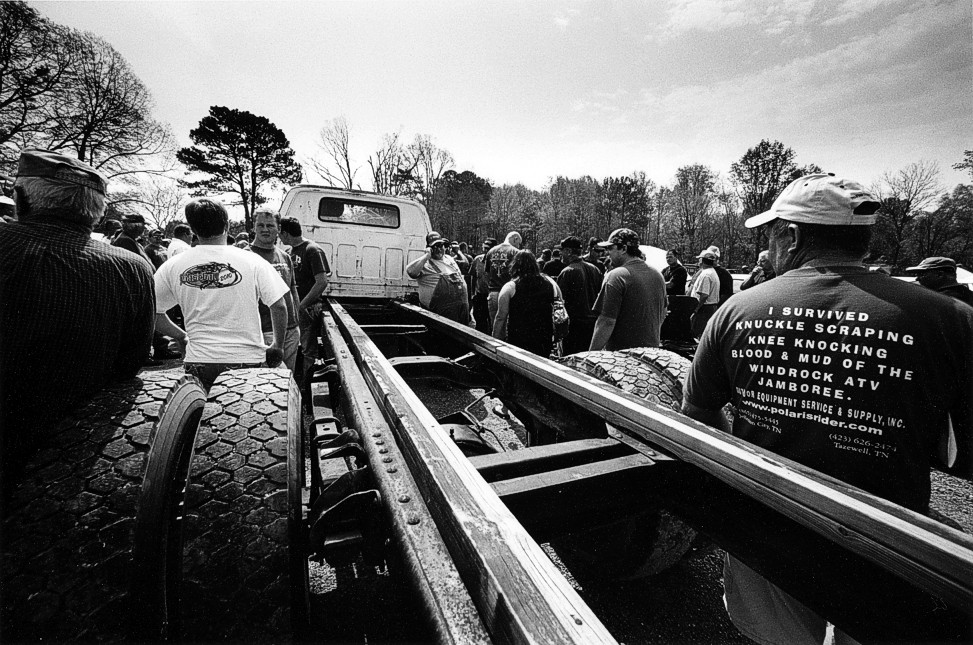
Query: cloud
point(773, 17)
point(563, 19)
point(718, 15)
point(600, 103)
point(916, 69)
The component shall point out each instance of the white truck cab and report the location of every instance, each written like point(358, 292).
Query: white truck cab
point(368, 238)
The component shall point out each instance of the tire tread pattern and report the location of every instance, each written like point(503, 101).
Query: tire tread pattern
point(236, 577)
point(68, 538)
point(658, 540)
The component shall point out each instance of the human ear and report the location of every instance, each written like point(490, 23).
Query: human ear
point(796, 238)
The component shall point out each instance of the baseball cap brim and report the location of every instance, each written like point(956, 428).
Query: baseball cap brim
point(760, 220)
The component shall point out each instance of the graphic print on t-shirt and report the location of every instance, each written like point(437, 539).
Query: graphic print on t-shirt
point(823, 366)
point(213, 275)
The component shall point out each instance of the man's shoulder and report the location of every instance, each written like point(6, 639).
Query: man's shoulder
point(503, 247)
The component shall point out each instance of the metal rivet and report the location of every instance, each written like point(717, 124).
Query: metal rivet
point(404, 498)
point(383, 451)
point(391, 469)
point(379, 442)
point(376, 434)
point(412, 519)
point(386, 460)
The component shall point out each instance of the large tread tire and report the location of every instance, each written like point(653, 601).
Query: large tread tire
point(69, 540)
point(245, 569)
point(654, 540)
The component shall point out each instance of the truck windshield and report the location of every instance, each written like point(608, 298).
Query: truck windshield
point(331, 209)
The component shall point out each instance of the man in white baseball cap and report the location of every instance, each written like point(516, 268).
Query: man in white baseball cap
point(829, 335)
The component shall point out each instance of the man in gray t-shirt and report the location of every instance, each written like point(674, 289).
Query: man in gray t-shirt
point(632, 302)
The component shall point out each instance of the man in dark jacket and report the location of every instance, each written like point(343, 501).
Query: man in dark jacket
point(579, 282)
point(939, 274)
point(133, 226)
point(61, 289)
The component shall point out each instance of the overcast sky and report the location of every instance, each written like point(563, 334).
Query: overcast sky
point(525, 91)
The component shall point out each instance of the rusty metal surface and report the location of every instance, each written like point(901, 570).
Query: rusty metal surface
point(520, 594)
point(451, 611)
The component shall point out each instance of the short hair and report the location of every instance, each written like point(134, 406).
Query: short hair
point(53, 198)
point(132, 229)
point(853, 240)
point(182, 230)
point(676, 252)
point(513, 238)
point(291, 226)
point(523, 264)
point(593, 241)
point(263, 210)
point(207, 217)
point(463, 247)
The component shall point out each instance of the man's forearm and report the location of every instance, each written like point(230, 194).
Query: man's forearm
point(713, 418)
point(320, 284)
point(604, 327)
point(414, 269)
point(278, 320)
point(165, 326)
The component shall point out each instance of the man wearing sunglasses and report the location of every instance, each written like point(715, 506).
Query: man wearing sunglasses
point(632, 302)
point(442, 289)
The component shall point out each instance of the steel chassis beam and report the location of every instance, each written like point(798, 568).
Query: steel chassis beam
point(450, 609)
point(519, 593)
point(917, 551)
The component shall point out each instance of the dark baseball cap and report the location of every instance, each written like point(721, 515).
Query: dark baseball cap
point(44, 163)
point(623, 236)
point(572, 242)
point(933, 263)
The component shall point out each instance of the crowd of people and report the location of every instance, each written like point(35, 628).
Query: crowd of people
point(812, 344)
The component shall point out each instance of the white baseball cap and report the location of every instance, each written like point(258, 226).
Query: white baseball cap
point(821, 199)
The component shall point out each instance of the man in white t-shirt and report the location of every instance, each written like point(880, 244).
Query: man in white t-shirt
point(706, 290)
point(182, 237)
point(218, 288)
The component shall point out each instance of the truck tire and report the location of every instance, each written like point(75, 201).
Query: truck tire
point(69, 539)
point(653, 540)
point(245, 573)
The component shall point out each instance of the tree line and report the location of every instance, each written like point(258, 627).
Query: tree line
point(71, 91)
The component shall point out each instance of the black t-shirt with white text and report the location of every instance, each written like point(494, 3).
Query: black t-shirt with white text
point(849, 372)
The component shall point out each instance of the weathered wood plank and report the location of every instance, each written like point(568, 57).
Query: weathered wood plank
point(924, 552)
point(520, 463)
point(563, 500)
point(451, 611)
point(521, 596)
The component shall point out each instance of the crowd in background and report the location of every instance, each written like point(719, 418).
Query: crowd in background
point(813, 328)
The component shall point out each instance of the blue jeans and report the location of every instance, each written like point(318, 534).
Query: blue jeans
point(208, 372)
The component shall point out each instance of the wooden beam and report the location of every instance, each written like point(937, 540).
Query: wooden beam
point(919, 550)
point(537, 459)
point(521, 596)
